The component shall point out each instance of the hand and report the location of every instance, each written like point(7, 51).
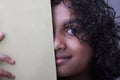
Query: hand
point(3, 57)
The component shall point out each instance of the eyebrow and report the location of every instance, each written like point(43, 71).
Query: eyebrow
point(71, 21)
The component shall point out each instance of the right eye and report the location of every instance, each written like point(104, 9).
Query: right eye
point(71, 31)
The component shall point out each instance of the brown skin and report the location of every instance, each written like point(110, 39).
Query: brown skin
point(3, 57)
point(72, 55)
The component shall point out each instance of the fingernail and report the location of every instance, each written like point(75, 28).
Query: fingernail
point(12, 61)
point(13, 77)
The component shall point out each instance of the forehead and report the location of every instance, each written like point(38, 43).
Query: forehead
point(61, 14)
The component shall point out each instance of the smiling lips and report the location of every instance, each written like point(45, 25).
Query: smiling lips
point(61, 58)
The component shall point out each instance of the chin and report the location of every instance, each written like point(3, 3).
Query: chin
point(64, 73)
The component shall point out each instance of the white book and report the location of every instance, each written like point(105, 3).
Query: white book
point(27, 25)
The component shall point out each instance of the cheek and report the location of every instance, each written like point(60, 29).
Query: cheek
point(81, 57)
point(80, 51)
point(78, 47)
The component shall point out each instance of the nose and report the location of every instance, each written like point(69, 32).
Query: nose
point(59, 43)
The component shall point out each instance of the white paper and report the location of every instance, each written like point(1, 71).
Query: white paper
point(27, 25)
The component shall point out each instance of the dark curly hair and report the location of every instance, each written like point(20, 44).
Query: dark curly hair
point(97, 19)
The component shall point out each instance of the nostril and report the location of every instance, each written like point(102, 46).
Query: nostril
point(59, 45)
point(59, 42)
point(57, 49)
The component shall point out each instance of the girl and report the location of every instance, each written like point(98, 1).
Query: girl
point(85, 41)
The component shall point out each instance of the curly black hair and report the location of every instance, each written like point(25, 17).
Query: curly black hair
point(98, 22)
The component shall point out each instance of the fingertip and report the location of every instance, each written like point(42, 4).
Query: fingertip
point(12, 61)
point(13, 77)
point(1, 35)
point(6, 58)
point(6, 74)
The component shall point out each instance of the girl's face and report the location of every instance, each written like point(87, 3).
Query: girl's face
point(72, 55)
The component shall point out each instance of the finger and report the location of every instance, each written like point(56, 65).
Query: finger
point(7, 74)
point(1, 36)
point(6, 58)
